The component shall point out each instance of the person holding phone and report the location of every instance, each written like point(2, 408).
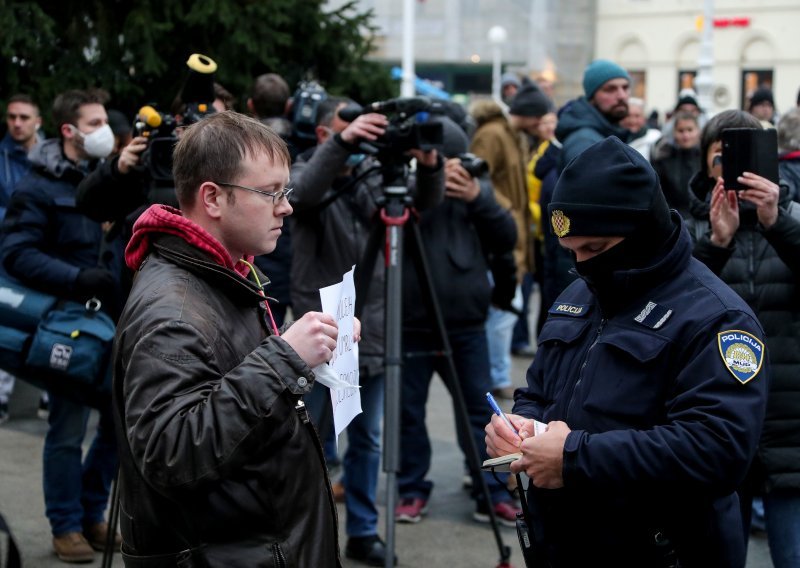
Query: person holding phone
point(751, 239)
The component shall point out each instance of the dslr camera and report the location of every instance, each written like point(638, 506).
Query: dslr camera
point(196, 99)
point(475, 166)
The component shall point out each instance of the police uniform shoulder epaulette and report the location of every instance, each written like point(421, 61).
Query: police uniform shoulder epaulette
point(653, 315)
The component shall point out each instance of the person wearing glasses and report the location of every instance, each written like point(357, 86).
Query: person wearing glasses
point(220, 464)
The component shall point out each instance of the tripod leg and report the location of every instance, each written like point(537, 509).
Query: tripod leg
point(391, 419)
point(113, 520)
point(451, 379)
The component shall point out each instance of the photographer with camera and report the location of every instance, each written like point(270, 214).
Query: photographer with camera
point(459, 234)
point(337, 189)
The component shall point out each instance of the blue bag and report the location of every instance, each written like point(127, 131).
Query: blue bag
point(74, 342)
point(22, 308)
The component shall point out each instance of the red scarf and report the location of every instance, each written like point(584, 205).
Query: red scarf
point(160, 219)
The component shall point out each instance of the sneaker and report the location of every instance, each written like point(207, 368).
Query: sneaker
point(96, 536)
point(44, 407)
point(72, 547)
point(410, 510)
point(369, 550)
point(3, 412)
point(505, 513)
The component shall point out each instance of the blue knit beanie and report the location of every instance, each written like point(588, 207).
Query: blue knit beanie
point(598, 72)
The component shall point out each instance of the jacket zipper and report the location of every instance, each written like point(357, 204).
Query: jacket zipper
point(583, 366)
point(277, 554)
point(302, 412)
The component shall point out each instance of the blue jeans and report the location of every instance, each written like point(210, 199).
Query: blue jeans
point(363, 457)
point(499, 331)
point(76, 489)
point(782, 508)
point(471, 358)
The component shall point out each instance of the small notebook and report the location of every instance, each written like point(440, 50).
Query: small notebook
point(502, 463)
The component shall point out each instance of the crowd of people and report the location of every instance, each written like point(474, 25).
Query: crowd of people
point(665, 349)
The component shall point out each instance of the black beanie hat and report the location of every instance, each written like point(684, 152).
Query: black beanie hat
point(609, 189)
point(762, 95)
point(687, 100)
point(530, 101)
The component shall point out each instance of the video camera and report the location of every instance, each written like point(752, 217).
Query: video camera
point(196, 98)
point(475, 166)
point(305, 105)
point(409, 127)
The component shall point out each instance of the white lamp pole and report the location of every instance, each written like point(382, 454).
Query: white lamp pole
point(497, 37)
point(703, 82)
point(407, 82)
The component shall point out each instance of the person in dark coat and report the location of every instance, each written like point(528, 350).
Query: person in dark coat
point(49, 245)
point(649, 385)
point(751, 240)
point(597, 114)
point(676, 162)
point(220, 464)
point(789, 152)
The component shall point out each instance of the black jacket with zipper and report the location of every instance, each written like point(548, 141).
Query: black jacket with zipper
point(219, 463)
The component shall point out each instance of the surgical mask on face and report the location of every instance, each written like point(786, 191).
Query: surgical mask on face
point(97, 144)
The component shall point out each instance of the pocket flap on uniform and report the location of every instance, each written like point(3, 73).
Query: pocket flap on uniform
point(565, 330)
point(641, 346)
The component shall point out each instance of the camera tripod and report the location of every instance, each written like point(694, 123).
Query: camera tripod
point(395, 211)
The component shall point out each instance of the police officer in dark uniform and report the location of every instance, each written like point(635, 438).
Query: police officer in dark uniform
point(651, 376)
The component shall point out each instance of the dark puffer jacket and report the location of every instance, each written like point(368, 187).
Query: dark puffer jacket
point(675, 167)
point(763, 267)
point(580, 125)
point(220, 464)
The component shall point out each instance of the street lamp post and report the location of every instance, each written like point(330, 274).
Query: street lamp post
point(703, 82)
point(497, 37)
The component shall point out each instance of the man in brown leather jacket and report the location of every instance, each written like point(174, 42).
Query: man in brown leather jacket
point(220, 465)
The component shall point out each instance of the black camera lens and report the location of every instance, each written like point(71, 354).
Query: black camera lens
point(475, 166)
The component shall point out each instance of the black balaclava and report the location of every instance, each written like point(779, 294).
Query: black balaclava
point(611, 190)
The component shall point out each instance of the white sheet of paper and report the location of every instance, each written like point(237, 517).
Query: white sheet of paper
point(339, 300)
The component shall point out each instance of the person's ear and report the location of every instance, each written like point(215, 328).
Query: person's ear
point(250, 106)
point(67, 131)
point(322, 134)
point(211, 197)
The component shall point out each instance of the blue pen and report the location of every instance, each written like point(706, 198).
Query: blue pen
point(500, 413)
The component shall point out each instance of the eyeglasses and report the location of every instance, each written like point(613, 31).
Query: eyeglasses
point(277, 197)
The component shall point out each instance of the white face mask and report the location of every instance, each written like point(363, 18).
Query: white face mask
point(97, 144)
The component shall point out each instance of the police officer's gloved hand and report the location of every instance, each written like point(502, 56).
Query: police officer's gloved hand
point(94, 282)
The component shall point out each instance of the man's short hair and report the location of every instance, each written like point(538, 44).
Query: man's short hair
point(270, 93)
point(22, 98)
point(328, 108)
point(225, 96)
point(214, 149)
point(712, 131)
point(67, 105)
point(789, 131)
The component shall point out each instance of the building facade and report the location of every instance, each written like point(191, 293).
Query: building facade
point(755, 44)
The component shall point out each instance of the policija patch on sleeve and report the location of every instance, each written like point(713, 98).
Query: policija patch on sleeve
point(566, 309)
point(741, 352)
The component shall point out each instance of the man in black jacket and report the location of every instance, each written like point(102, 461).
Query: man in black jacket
point(220, 465)
point(458, 234)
